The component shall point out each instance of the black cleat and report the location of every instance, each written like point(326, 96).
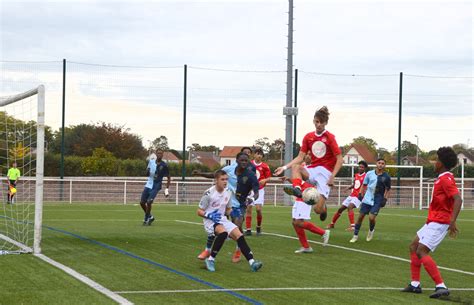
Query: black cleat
point(150, 220)
point(440, 292)
point(248, 233)
point(293, 191)
point(259, 231)
point(411, 288)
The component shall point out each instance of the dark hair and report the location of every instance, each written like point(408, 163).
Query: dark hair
point(447, 157)
point(364, 163)
point(259, 151)
point(159, 150)
point(381, 159)
point(322, 114)
point(218, 173)
point(246, 147)
point(241, 154)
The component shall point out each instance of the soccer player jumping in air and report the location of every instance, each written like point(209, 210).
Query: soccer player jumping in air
point(326, 161)
point(353, 200)
point(442, 214)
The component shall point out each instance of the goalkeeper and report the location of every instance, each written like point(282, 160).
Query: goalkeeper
point(12, 178)
point(157, 169)
point(214, 206)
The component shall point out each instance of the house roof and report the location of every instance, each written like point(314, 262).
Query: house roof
point(206, 158)
point(365, 153)
point(230, 151)
point(413, 159)
point(467, 154)
point(167, 155)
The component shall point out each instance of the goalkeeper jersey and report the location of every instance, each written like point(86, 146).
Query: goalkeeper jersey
point(213, 200)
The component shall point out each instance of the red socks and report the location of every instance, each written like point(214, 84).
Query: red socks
point(432, 269)
point(335, 217)
point(301, 236)
point(248, 222)
point(350, 213)
point(415, 267)
point(311, 227)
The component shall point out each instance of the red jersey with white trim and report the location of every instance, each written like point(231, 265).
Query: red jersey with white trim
point(323, 149)
point(263, 172)
point(442, 202)
point(304, 186)
point(358, 181)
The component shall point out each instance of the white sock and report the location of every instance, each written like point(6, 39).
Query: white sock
point(442, 285)
point(251, 261)
point(415, 283)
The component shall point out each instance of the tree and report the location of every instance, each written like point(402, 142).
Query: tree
point(408, 149)
point(197, 147)
point(101, 163)
point(371, 144)
point(159, 143)
point(264, 144)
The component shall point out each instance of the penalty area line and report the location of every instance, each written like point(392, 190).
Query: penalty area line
point(273, 289)
point(347, 248)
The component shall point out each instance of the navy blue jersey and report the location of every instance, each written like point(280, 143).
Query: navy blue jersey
point(160, 172)
point(246, 182)
point(376, 187)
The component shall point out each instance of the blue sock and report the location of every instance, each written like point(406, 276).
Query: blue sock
point(357, 228)
point(210, 240)
point(372, 226)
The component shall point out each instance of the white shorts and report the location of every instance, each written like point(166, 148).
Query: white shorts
point(354, 200)
point(319, 176)
point(261, 197)
point(432, 234)
point(228, 225)
point(301, 210)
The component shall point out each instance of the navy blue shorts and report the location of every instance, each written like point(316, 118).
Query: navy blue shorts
point(372, 209)
point(148, 195)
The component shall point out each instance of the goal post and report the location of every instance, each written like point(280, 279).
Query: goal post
point(396, 188)
point(23, 143)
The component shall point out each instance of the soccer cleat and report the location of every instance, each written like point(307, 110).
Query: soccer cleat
point(248, 233)
point(145, 220)
point(411, 288)
point(354, 239)
point(204, 254)
point(370, 235)
point(326, 237)
point(210, 265)
point(259, 231)
point(256, 265)
point(150, 220)
point(236, 256)
point(440, 292)
point(330, 226)
point(293, 191)
point(304, 250)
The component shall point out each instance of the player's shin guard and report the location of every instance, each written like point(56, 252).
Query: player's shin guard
point(248, 222)
point(244, 247)
point(432, 269)
point(259, 220)
point(357, 228)
point(335, 217)
point(220, 239)
point(350, 214)
point(210, 240)
point(415, 267)
point(312, 228)
point(301, 236)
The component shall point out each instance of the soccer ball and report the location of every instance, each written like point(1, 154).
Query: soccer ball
point(311, 196)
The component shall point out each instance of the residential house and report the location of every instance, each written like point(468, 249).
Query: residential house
point(206, 158)
point(358, 152)
point(466, 157)
point(228, 153)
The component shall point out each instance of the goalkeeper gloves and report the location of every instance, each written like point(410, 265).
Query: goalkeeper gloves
point(167, 192)
point(215, 216)
point(235, 213)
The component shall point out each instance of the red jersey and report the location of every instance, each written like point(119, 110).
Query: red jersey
point(323, 149)
point(263, 172)
point(304, 186)
point(358, 180)
point(442, 202)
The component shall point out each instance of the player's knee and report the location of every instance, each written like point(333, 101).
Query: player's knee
point(298, 222)
point(149, 201)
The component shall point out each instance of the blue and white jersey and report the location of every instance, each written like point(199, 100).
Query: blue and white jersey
point(151, 169)
point(376, 187)
point(232, 183)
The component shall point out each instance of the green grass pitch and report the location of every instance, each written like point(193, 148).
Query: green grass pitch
point(157, 264)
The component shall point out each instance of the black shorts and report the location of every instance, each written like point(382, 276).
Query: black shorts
point(13, 182)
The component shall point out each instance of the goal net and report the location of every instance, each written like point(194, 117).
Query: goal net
point(21, 168)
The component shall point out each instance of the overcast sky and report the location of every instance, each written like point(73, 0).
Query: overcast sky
point(360, 38)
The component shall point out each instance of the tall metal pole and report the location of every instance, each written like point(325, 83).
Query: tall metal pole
point(400, 94)
point(61, 162)
point(183, 165)
point(289, 90)
point(295, 153)
point(416, 149)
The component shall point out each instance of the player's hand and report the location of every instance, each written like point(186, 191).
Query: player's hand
point(453, 230)
point(249, 201)
point(215, 216)
point(383, 203)
point(235, 213)
point(331, 181)
point(167, 192)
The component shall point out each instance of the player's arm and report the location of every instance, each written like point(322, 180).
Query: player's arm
point(453, 230)
point(168, 182)
point(337, 167)
point(298, 160)
point(388, 187)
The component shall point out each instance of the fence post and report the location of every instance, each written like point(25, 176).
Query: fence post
point(177, 192)
point(338, 193)
point(413, 197)
point(275, 196)
point(125, 192)
point(70, 191)
point(421, 187)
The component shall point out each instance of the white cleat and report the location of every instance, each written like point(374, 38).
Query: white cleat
point(370, 235)
point(354, 238)
point(304, 250)
point(326, 237)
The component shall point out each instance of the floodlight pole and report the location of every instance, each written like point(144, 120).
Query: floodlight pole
point(61, 163)
point(183, 165)
point(399, 134)
point(295, 153)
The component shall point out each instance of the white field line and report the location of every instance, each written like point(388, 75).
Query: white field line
point(273, 289)
point(349, 249)
point(114, 296)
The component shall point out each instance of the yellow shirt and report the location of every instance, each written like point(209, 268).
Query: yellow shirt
point(13, 173)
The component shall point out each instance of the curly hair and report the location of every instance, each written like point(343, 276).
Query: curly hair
point(322, 114)
point(447, 157)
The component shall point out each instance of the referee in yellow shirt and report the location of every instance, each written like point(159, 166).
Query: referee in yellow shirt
point(13, 175)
